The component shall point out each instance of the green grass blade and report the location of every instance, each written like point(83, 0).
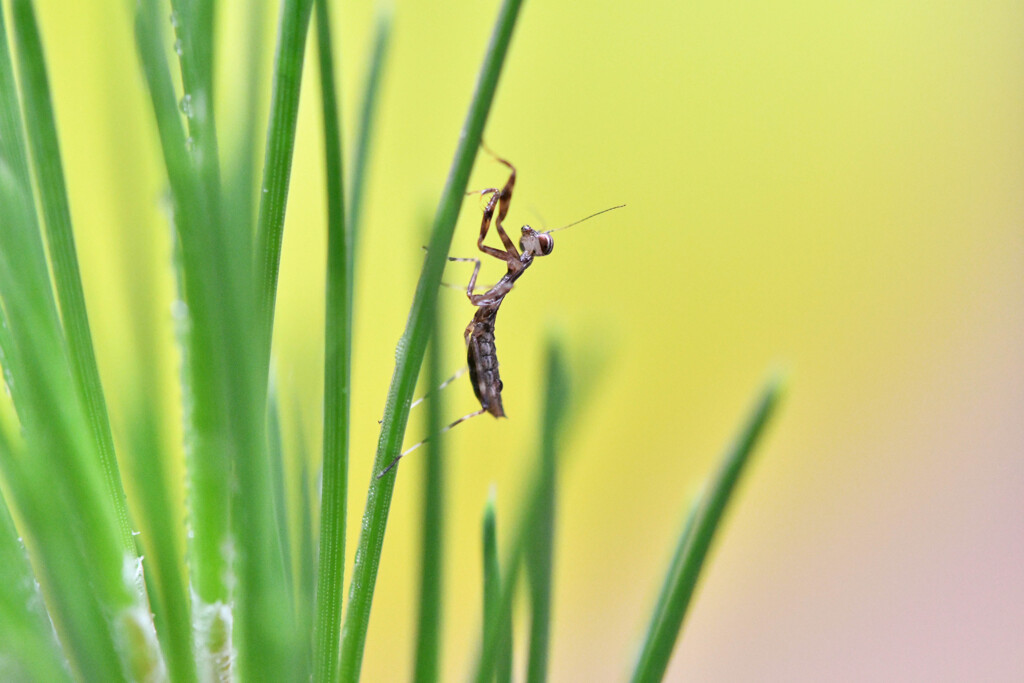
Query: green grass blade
point(492, 566)
point(367, 118)
point(58, 492)
point(28, 649)
point(278, 485)
point(269, 647)
point(227, 385)
point(42, 137)
point(6, 352)
point(148, 461)
point(12, 138)
point(14, 158)
point(159, 534)
point(342, 236)
point(306, 561)
point(76, 615)
point(226, 416)
point(284, 112)
point(184, 186)
point(241, 166)
point(337, 373)
point(428, 631)
point(193, 27)
point(411, 349)
point(532, 515)
point(208, 466)
point(62, 480)
point(492, 595)
point(492, 648)
point(540, 553)
point(695, 541)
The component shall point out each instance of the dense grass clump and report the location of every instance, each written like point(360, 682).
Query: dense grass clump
point(247, 598)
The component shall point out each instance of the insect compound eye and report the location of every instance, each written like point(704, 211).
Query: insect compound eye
point(547, 243)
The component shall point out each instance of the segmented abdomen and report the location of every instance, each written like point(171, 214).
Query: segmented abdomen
point(483, 363)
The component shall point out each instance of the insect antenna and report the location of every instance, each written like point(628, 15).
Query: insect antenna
point(583, 219)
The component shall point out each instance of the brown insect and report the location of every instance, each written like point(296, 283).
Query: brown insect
point(481, 353)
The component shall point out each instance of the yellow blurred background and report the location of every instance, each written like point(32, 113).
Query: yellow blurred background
point(835, 188)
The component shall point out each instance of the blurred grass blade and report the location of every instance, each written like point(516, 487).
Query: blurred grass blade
point(59, 492)
point(60, 482)
point(367, 119)
point(269, 646)
point(492, 568)
point(337, 373)
point(28, 648)
point(42, 136)
point(227, 390)
point(497, 627)
point(492, 594)
point(428, 631)
point(284, 111)
point(227, 416)
point(411, 349)
point(12, 139)
point(184, 187)
point(342, 236)
point(193, 26)
point(76, 616)
point(540, 552)
point(241, 167)
point(306, 562)
point(208, 464)
point(87, 567)
point(14, 160)
point(695, 541)
point(278, 486)
point(159, 537)
point(31, 331)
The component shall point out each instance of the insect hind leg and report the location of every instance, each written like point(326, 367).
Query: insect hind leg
point(410, 449)
point(462, 371)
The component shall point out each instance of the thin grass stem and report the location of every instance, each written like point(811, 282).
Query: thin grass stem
point(41, 131)
point(367, 119)
point(492, 594)
point(306, 561)
point(226, 392)
point(159, 538)
point(428, 630)
point(337, 373)
point(207, 420)
point(284, 111)
point(278, 488)
point(411, 349)
point(540, 553)
point(695, 541)
point(495, 648)
point(28, 647)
